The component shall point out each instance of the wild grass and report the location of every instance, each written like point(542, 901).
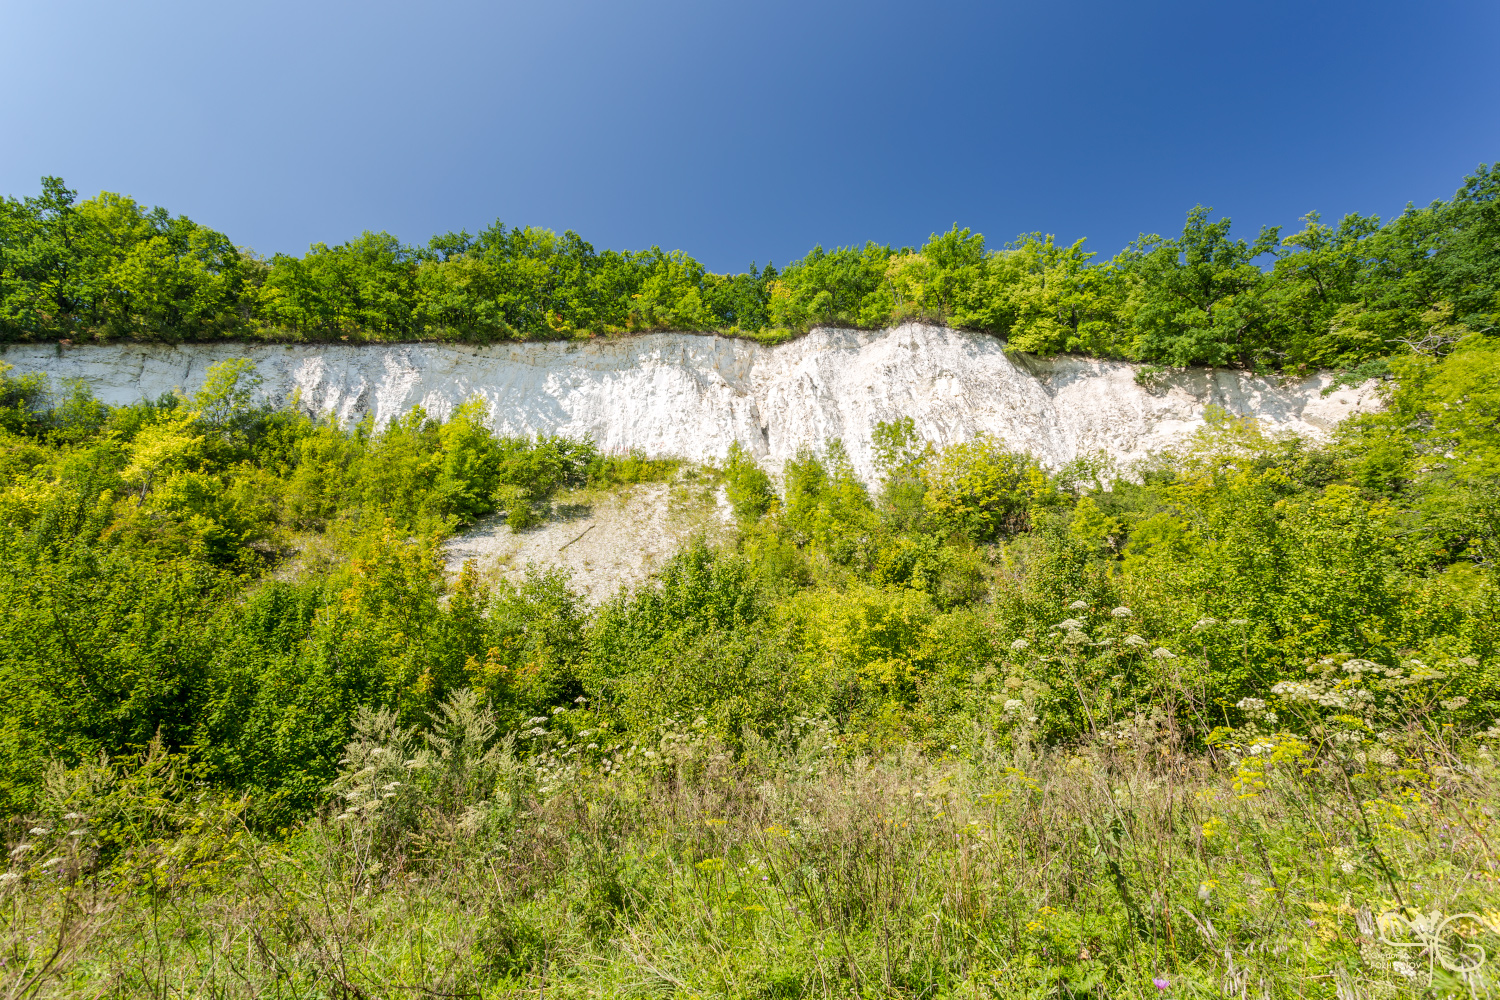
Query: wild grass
point(450, 864)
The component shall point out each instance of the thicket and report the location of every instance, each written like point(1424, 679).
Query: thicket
point(1326, 296)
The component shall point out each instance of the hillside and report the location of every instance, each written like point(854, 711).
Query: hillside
point(878, 663)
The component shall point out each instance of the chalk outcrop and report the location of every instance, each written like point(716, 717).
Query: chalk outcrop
point(691, 396)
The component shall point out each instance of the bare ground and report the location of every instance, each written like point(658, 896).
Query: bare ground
point(604, 539)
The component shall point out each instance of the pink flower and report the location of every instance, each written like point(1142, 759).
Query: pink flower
point(1160, 983)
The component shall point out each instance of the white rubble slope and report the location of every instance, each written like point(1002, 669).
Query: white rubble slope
point(690, 396)
point(611, 540)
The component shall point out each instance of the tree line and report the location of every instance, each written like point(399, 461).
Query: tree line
point(1340, 296)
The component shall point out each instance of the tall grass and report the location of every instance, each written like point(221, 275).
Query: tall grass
point(450, 863)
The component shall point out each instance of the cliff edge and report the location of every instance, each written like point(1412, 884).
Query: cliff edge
point(691, 396)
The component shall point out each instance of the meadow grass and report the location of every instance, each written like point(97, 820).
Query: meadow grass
point(1121, 866)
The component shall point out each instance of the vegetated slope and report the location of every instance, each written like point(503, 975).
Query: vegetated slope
point(981, 725)
point(1327, 296)
point(986, 728)
point(693, 397)
point(140, 541)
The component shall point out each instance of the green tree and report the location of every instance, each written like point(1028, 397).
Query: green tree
point(44, 287)
point(747, 486)
point(366, 286)
point(981, 490)
point(1059, 301)
point(843, 287)
point(901, 455)
point(1315, 282)
point(1200, 296)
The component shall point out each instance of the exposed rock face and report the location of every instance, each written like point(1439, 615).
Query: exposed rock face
point(691, 395)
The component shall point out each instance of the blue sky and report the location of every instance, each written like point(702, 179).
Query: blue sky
point(742, 132)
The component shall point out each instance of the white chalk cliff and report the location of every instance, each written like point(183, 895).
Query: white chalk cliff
point(690, 395)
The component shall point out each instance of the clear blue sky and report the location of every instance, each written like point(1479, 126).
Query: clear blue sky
point(748, 130)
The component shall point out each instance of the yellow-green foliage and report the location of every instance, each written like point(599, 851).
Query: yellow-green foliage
point(1221, 719)
point(981, 490)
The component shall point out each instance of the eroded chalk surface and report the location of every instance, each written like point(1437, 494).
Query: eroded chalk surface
point(691, 396)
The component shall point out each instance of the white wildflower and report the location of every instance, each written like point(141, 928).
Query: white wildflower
point(1121, 612)
point(8, 878)
point(1203, 623)
point(1345, 699)
point(1250, 705)
point(1134, 640)
point(1347, 867)
point(1014, 705)
point(1078, 605)
point(1401, 968)
point(537, 720)
point(19, 850)
point(77, 833)
point(1294, 691)
point(1451, 704)
point(39, 831)
point(50, 862)
point(1256, 749)
point(73, 816)
point(1019, 645)
point(1162, 653)
point(1069, 623)
point(1239, 622)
